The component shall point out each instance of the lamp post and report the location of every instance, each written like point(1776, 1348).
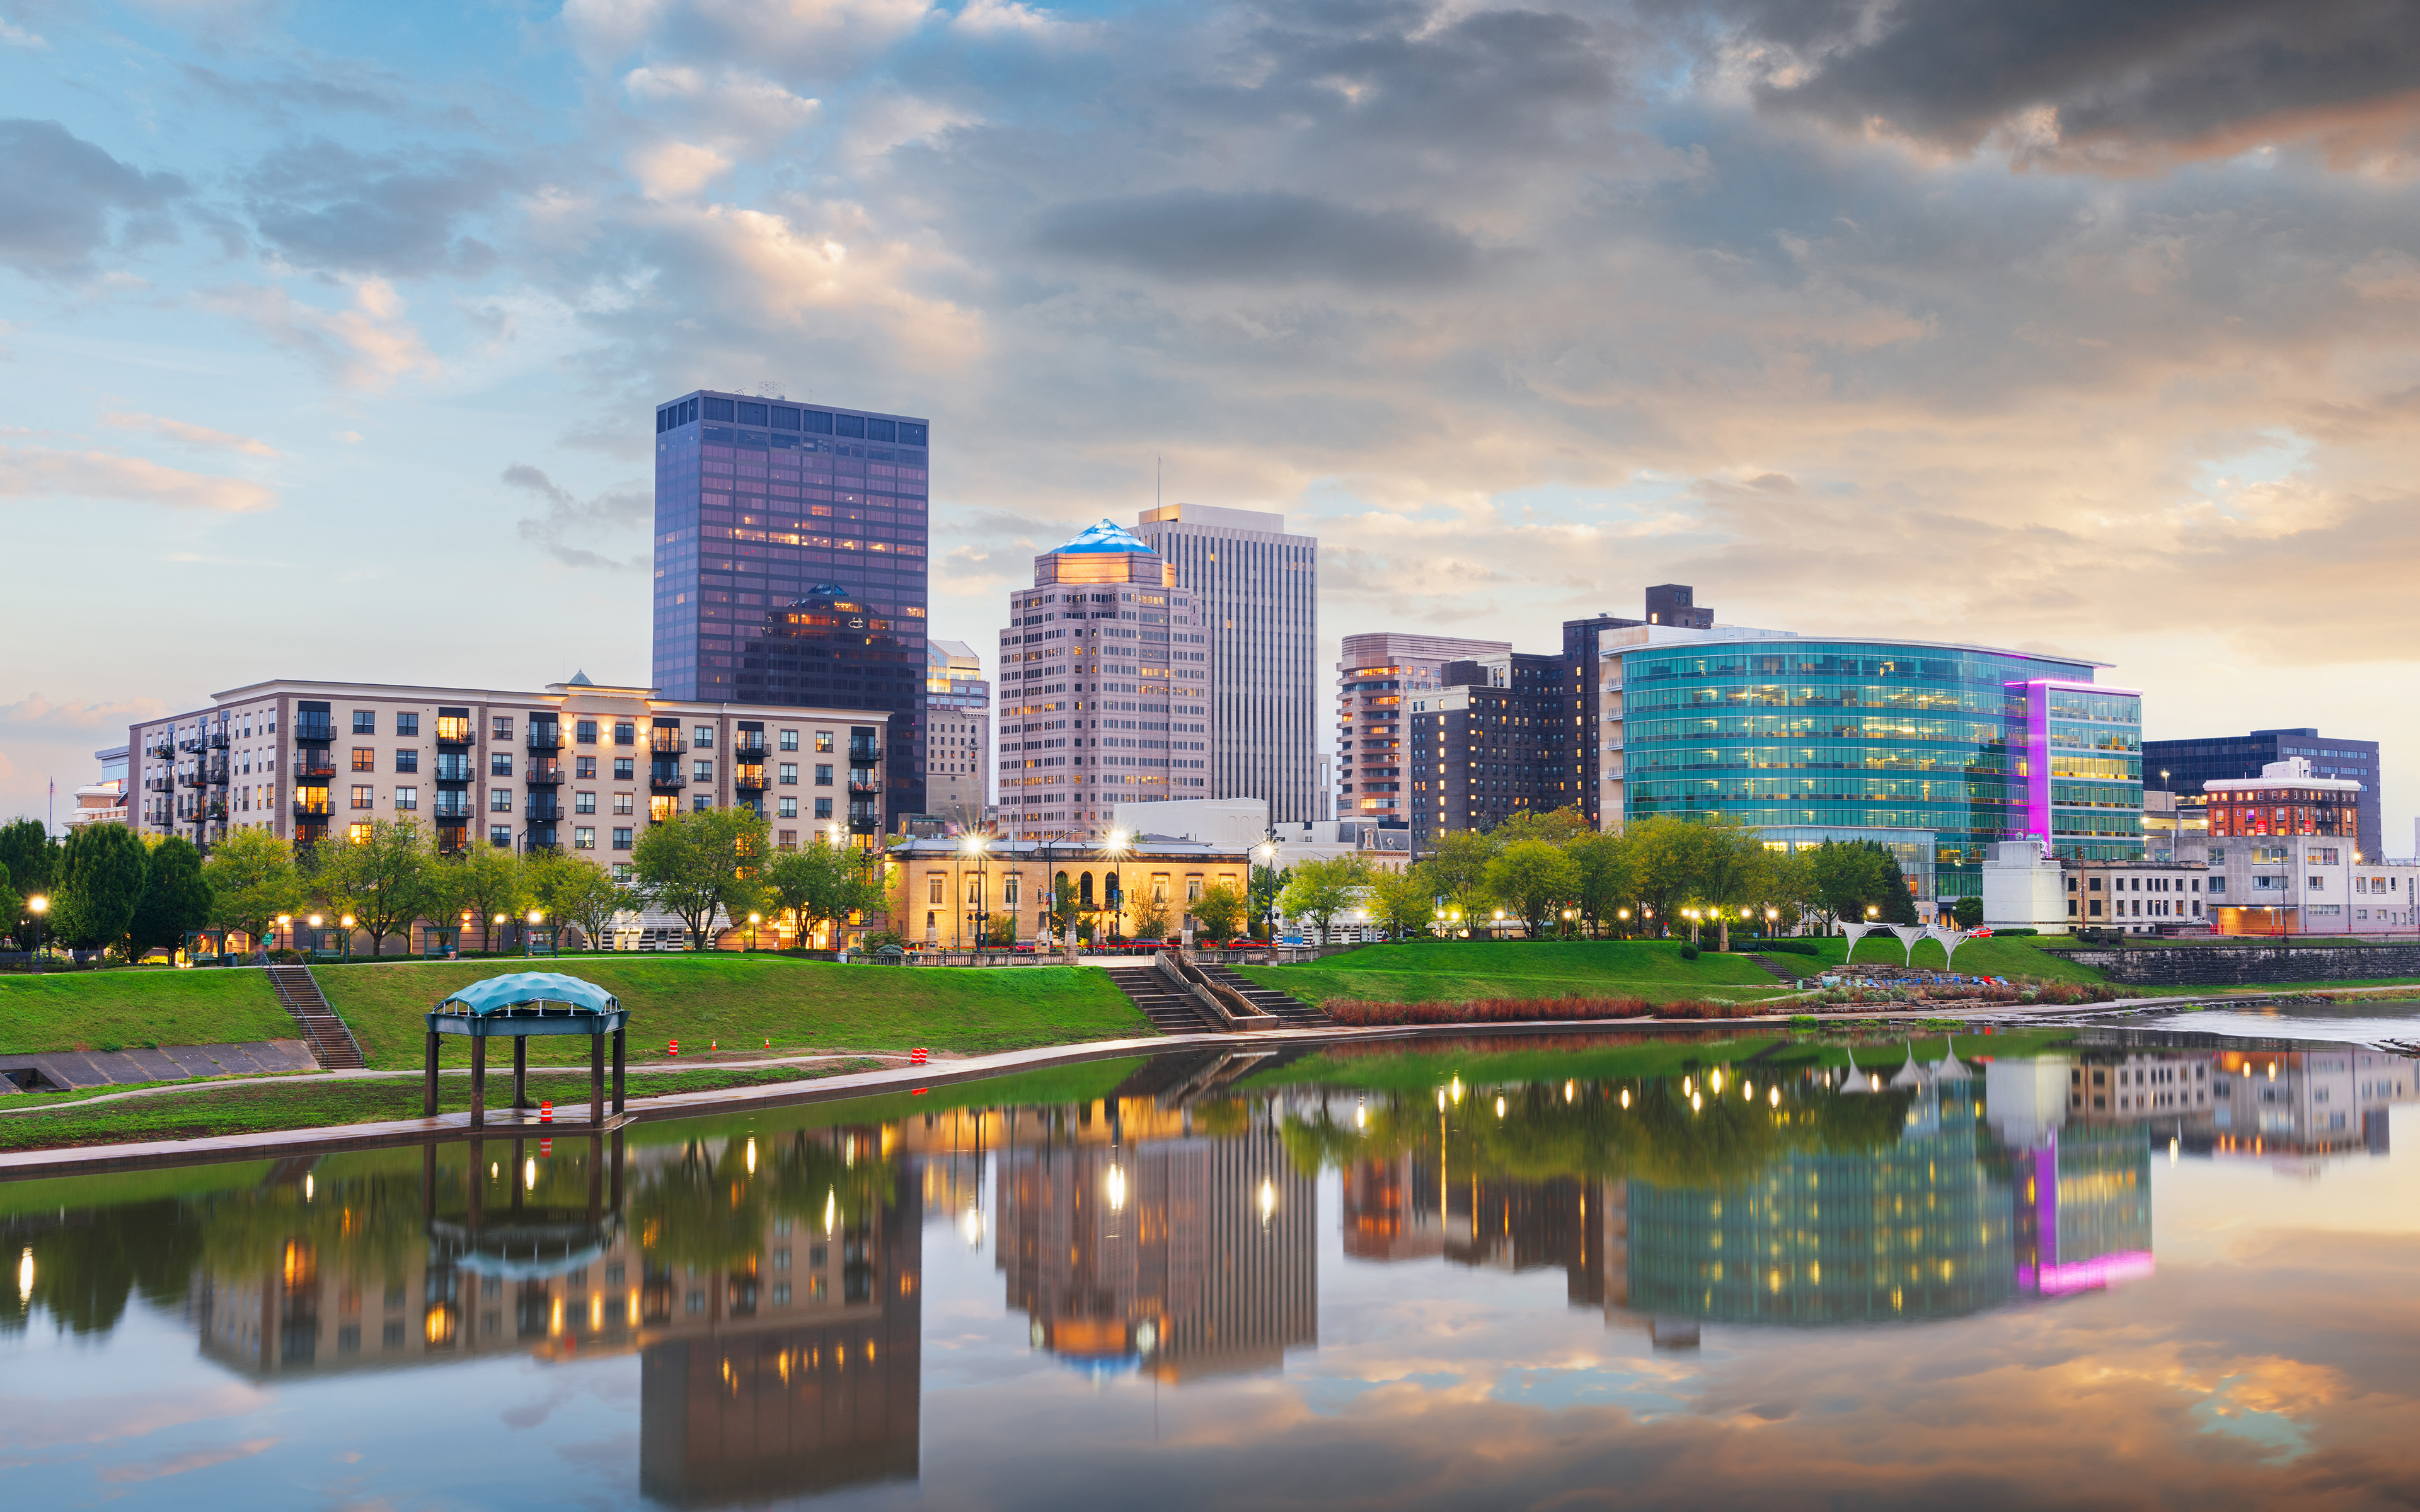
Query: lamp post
point(976, 846)
point(1623, 915)
point(495, 928)
point(348, 922)
point(286, 928)
point(753, 919)
point(41, 905)
point(1116, 847)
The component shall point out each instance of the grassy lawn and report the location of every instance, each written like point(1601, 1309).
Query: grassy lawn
point(747, 1000)
point(1996, 957)
point(323, 1105)
point(110, 1009)
point(1440, 971)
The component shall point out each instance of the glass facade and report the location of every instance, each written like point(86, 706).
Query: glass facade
point(1874, 734)
point(768, 515)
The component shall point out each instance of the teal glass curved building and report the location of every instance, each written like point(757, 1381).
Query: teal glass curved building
point(1974, 745)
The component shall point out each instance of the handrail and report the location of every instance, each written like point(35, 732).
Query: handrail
point(1227, 1006)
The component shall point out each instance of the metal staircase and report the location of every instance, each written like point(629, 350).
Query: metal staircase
point(330, 1041)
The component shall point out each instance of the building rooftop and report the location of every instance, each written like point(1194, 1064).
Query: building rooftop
point(2293, 771)
point(1106, 536)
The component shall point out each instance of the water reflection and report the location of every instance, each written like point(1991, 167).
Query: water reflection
point(768, 1275)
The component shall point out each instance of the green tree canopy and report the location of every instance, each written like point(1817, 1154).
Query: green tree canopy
point(253, 880)
point(100, 875)
point(821, 885)
point(700, 864)
point(1322, 889)
point(1219, 909)
point(1402, 901)
point(380, 879)
point(1458, 870)
point(492, 880)
point(1533, 878)
point(176, 898)
point(1664, 865)
point(1604, 880)
point(31, 859)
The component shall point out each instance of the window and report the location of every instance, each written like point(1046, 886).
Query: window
point(406, 760)
point(358, 832)
point(789, 773)
point(2093, 886)
point(823, 740)
point(933, 888)
point(621, 837)
point(583, 838)
point(2095, 908)
point(583, 803)
point(501, 727)
point(621, 803)
point(365, 758)
point(500, 800)
point(701, 771)
point(823, 774)
point(787, 809)
point(2323, 857)
point(407, 724)
point(789, 740)
point(366, 722)
point(407, 798)
point(624, 769)
point(362, 797)
point(500, 763)
point(2217, 885)
point(584, 768)
point(500, 836)
point(621, 873)
point(703, 737)
point(2317, 884)
point(787, 841)
point(626, 733)
point(699, 803)
point(823, 809)
point(585, 732)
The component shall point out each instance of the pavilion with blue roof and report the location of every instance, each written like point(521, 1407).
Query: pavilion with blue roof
point(518, 1005)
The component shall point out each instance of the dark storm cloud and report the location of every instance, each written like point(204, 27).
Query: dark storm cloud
point(2165, 75)
point(323, 205)
point(1210, 235)
point(60, 196)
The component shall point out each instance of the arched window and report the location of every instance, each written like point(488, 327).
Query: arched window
point(1084, 891)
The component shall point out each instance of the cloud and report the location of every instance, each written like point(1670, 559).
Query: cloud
point(61, 196)
point(40, 472)
point(2079, 84)
point(323, 205)
point(200, 437)
point(992, 19)
point(367, 346)
point(34, 714)
point(568, 520)
point(676, 170)
point(14, 36)
point(1202, 234)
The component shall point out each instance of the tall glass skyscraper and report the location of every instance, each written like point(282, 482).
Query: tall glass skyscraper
point(790, 562)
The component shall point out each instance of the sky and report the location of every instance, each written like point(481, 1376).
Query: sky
point(331, 336)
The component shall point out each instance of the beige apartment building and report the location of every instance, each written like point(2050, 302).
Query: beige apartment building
point(578, 767)
point(958, 717)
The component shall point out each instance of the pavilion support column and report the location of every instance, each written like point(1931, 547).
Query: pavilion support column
point(478, 1077)
point(596, 1080)
point(428, 1078)
point(617, 1073)
point(617, 1170)
point(520, 1073)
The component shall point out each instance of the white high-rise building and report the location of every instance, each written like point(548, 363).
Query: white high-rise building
point(1258, 589)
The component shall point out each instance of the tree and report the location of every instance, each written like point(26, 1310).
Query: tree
point(176, 898)
point(1843, 875)
point(1730, 863)
point(100, 873)
point(1402, 901)
point(1320, 889)
point(380, 879)
point(700, 864)
point(253, 880)
point(442, 893)
point(1065, 904)
point(822, 884)
point(1458, 870)
point(493, 880)
point(1261, 894)
point(1532, 877)
point(1968, 912)
point(11, 902)
point(588, 896)
point(1218, 908)
point(1897, 904)
point(1664, 865)
point(31, 859)
point(1150, 916)
point(1559, 827)
point(1605, 884)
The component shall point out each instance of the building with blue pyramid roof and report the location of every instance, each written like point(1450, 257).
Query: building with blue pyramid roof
point(1103, 692)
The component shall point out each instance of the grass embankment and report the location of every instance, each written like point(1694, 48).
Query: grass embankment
point(2019, 956)
point(1444, 971)
point(112, 1010)
point(707, 997)
point(272, 1105)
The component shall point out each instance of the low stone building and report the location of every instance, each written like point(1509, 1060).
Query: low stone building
point(947, 891)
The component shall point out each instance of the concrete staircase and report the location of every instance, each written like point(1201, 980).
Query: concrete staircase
point(1289, 1012)
point(325, 1032)
point(1170, 1011)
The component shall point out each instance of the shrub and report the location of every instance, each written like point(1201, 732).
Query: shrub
point(1357, 1014)
point(1688, 952)
point(1779, 947)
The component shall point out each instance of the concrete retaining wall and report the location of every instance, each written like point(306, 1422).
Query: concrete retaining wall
point(2235, 966)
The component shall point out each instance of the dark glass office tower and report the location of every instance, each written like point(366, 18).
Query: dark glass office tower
point(2183, 765)
point(767, 513)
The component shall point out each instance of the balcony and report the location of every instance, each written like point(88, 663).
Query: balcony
point(749, 779)
point(192, 779)
point(544, 774)
point(314, 726)
point(546, 737)
point(748, 743)
point(218, 740)
point(161, 747)
point(861, 781)
point(312, 807)
point(156, 784)
point(667, 742)
point(544, 810)
point(215, 809)
point(454, 767)
point(191, 745)
point(453, 732)
point(864, 750)
point(454, 806)
point(666, 775)
point(314, 764)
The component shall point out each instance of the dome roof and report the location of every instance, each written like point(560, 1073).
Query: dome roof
point(519, 989)
point(1105, 536)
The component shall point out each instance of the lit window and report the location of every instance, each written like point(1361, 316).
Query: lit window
point(407, 798)
point(364, 797)
point(500, 800)
point(583, 803)
point(583, 838)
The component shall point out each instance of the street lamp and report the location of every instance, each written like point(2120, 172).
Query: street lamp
point(494, 929)
point(1116, 847)
point(41, 905)
point(979, 847)
point(285, 927)
point(753, 919)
